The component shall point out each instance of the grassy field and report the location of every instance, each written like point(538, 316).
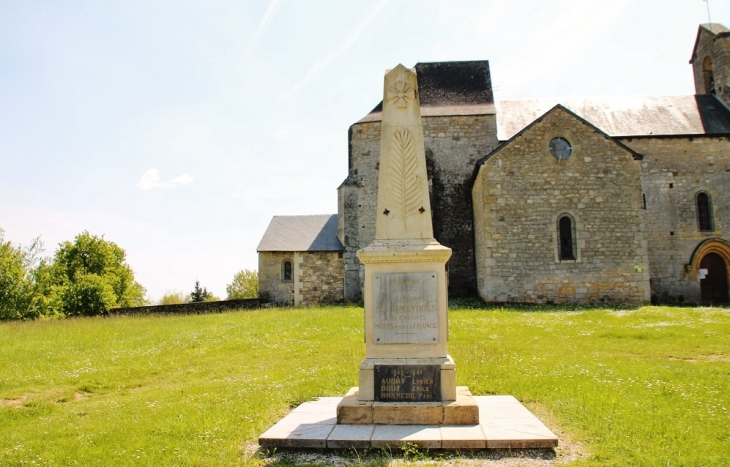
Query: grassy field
point(646, 386)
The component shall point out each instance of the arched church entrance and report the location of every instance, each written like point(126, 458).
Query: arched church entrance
point(709, 265)
point(714, 284)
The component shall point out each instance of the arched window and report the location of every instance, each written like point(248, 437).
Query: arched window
point(708, 76)
point(704, 213)
point(566, 238)
point(286, 271)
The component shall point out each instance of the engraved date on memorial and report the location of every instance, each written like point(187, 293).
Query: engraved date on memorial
point(406, 309)
point(407, 383)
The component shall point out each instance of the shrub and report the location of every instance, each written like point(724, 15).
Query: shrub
point(174, 298)
point(245, 285)
point(88, 295)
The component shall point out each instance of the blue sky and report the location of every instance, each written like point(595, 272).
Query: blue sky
point(178, 129)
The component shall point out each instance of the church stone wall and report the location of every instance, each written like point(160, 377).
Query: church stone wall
point(674, 170)
point(453, 144)
point(519, 193)
point(719, 52)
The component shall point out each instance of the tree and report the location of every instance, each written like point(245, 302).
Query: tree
point(201, 294)
point(112, 284)
point(17, 280)
point(174, 298)
point(88, 295)
point(245, 285)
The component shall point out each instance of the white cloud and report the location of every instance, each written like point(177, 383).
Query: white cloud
point(151, 180)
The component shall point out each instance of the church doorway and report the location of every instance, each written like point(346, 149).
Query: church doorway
point(714, 284)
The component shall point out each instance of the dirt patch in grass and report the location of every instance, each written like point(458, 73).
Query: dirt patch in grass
point(15, 403)
point(703, 358)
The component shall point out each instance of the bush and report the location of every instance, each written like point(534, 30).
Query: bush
point(86, 277)
point(88, 295)
point(174, 298)
point(245, 285)
point(90, 254)
point(17, 285)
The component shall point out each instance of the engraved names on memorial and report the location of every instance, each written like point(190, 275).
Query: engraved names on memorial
point(406, 308)
point(407, 383)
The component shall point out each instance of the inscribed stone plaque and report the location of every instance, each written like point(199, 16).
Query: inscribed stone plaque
point(406, 309)
point(407, 383)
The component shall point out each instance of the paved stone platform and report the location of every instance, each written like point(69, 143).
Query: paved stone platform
point(503, 423)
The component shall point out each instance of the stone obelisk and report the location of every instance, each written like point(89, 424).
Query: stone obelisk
point(407, 376)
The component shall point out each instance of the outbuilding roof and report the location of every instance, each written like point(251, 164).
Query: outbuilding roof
point(624, 115)
point(301, 233)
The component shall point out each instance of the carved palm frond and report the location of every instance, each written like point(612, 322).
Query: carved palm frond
point(405, 189)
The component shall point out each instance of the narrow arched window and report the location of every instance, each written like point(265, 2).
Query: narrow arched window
point(566, 238)
point(286, 271)
point(708, 76)
point(704, 213)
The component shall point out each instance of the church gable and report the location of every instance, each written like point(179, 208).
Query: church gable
point(558, 216)
point(711, 61)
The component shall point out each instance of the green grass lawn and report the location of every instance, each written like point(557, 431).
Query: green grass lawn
point(646, 386)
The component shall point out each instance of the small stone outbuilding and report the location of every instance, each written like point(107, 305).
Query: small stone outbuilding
point(300, 260)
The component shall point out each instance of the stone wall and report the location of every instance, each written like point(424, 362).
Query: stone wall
point(674, 170)
point(321, 275)
point(719, 53)
point(520, 192)
point(317, 277)
point(218, 306)
point(271, 285)
point(453, 144)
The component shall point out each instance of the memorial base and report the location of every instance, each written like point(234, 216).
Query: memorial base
point(504, 423)
point(462, 411)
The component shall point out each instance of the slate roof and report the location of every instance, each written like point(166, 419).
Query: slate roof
point(624, 116)
point(481, 161)
point(301, 233)
point(450, 88)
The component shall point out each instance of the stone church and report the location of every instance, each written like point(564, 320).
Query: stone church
point(577, 200)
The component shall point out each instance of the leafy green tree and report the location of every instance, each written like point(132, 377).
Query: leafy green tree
point(245, 285)
point(17, 281)
point(90, 255)
point(14, 286)
point(88, 295)
point(201, 294)
point(174, 298)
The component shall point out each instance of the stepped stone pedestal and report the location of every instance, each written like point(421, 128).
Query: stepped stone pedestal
point(461, 411)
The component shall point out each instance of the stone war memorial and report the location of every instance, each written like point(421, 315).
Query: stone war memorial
point(407, 389)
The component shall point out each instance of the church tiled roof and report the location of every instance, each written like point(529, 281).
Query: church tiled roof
point(301, 233)
point(625, 116)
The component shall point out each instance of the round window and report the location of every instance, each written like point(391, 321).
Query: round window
point(560, 148)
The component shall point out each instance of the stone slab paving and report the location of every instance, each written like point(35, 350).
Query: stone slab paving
point(503, 423)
